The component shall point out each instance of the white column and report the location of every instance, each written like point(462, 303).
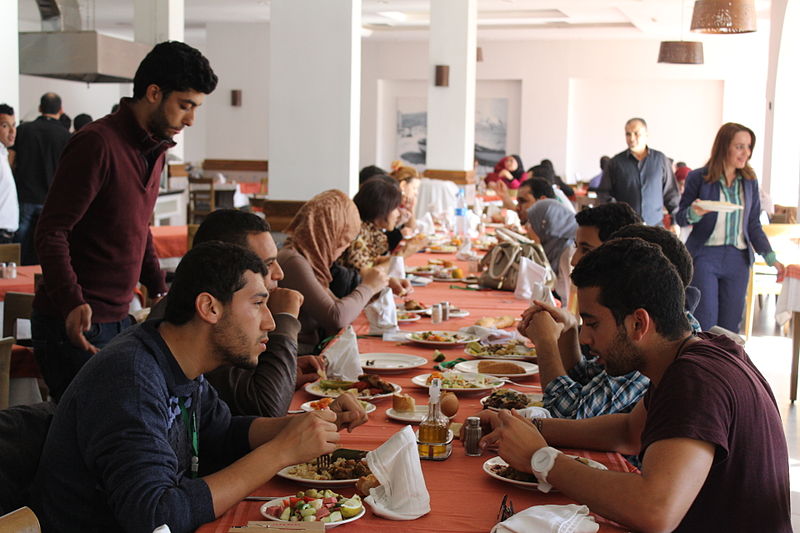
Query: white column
point(781, 150)
point(156, 21)
point(451, 109)
point(314, 97)
point(9, 48)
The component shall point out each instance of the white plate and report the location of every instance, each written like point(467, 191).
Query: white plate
point(315, 390)
point(410, 417)
point(390, 362)
point(444, 249)
point(316, 483)
point(472, 366)
point(412, 317)
point(528, 356)
point(491, 383)
point(463, 338)
point(532, 397)
point(368, 407)
point(414, 311)
point(461, 313)
point(279, 501)
point(722, 207)
point(498, 461)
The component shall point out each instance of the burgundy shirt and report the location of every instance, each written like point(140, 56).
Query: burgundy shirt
point(714, 393)
point(93, 236)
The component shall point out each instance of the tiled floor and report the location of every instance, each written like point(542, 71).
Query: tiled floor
point(772, 355)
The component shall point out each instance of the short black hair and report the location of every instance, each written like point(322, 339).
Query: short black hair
point(671, 246)
point(214, 267)
point(544, 171)
point(369, 172)
point(174, 66)
point(81, 120)
point(65, 121)
point(633, 274)
point(539, 187)
point(49, 104)
point(608, 218)
point(377, 197)
point(229, 225)
point(6, 109)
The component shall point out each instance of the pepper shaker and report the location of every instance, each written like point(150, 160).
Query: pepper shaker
point(436, 314)
point(472, 436)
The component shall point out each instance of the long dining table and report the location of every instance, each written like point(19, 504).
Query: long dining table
point(463, 498)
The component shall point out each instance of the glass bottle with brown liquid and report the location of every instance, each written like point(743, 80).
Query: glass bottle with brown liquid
point(433, 440)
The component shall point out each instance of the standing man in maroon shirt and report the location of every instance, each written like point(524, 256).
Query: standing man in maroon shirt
point(93, 237)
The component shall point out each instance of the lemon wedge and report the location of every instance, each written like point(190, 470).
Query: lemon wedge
point(350, 508)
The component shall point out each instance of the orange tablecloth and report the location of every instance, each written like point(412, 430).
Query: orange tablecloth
point(170, 241)
point(22, 283)
point(463, 497)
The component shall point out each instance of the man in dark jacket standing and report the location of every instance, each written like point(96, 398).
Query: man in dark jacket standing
point(93, 237)
point(37, 149)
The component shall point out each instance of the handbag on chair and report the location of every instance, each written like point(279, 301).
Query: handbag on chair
point(500, 267)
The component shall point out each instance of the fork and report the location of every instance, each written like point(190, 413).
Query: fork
point(324, 461)
point(506, 380)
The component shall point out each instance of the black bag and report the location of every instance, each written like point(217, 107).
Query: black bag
point(345, 280)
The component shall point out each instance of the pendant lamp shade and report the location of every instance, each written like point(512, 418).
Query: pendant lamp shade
point(681, 52)
point(724, 16)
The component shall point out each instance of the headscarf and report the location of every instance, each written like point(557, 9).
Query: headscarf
point(555, 225)
point(517, 174)
point(324, 226)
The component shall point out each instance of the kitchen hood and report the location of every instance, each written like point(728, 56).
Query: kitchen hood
point(65, 51)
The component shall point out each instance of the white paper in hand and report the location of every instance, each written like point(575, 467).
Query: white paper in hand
point(343, 361)
point(402, 494)
point(530, 274)
point(550, 519)
point(382, 313)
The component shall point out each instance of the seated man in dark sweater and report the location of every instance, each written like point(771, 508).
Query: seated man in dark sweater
point(708, 431)
point(140, 439)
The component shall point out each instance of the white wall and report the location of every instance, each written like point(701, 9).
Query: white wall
point(9, 51)
point(548, 69)
point(77, 97)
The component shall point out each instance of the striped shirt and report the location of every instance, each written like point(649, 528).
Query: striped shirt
point(728, 230)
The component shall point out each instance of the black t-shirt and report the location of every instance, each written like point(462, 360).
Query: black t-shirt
point(714, 393)
point(38, 147)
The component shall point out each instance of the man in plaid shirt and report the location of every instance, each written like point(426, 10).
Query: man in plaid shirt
point(576, 386)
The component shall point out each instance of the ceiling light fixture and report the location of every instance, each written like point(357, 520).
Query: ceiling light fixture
point(681, 52)
point(724, 16)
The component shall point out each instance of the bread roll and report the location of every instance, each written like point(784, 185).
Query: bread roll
point(499, 367)
point(499, 322)
point(403, 403)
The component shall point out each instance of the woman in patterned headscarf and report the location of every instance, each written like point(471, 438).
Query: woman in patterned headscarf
point(319, 233)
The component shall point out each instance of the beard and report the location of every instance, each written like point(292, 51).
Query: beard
point(158, 124)
point(623, 357)
point(232, 346)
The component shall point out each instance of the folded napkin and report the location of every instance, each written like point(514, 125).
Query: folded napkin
point(397, 267)
point(395, 336)
point(465, 253)
point(534, 412)
point(492, 335)
point(550, 519)
point(382, 313)
point(425, 224)
point(402, 494)
point(531, 282)
point(419, 281)
point(343, 361)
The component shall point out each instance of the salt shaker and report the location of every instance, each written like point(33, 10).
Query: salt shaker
point(436, 314)
point(11, 270)
point(472, 436)
point(445, 310)
point(2, 270)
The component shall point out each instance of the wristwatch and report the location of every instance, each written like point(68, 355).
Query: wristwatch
point(542, 462)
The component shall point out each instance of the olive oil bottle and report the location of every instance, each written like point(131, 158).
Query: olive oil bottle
point(433, 439)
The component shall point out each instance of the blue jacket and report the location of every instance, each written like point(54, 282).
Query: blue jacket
point(696, 187)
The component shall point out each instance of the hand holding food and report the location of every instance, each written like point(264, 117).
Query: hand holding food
point(349, 412)
point(516, 438)
point(400, 286)
point(309, 368)
point(307, 436)
point(375, 278)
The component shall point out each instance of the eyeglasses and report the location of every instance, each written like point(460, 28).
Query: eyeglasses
point(506, 510)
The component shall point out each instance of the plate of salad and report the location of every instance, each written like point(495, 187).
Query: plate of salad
point(314, 505)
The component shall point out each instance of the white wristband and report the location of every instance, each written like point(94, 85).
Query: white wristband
point(541, 463)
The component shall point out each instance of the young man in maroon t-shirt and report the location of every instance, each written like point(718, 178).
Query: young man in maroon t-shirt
point(708, 432)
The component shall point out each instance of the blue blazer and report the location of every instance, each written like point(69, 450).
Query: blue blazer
point(696, 187)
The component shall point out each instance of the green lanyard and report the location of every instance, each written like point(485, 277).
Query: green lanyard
point(191, 430)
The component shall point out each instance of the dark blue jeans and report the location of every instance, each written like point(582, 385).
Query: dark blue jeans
point(721, 274)
point(58, 358)
point(28, 216)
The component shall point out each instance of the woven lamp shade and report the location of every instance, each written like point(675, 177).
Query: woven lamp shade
point(724, 16)
point(682, 52)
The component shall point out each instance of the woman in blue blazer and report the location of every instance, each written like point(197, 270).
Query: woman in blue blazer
point(722, 242)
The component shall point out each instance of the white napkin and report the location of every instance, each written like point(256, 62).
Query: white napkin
point(530, 280)
point(395, 336)
point(419, 281)
point(343, 361)
point(534, 412)
point(465, 253)
point(425, 224)
point(402, 494)
point(397, 267)
point(550, 519)
point(162, 529)
point(382, 313)
point(492, 335)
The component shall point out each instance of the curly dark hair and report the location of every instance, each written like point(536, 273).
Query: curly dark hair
point(608, 218)
point(633, 274)
point(671, 246)
point(214, 267)
point(174, 66)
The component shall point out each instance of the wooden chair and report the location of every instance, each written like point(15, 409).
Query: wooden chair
point(10, 252)
point(23, 520)
point(202, 199)
point(5, 367)
point(16, 305)
point(191, 231)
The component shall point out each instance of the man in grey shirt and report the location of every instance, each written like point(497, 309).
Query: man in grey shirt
point(641, 177)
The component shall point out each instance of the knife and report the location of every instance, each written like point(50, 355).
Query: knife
point(262, 498)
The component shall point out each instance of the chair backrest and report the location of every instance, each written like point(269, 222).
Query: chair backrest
point(10, 252)
point(191, 231)
point(23, 520)
point(6, 344)
point(201, 198)
point(16, 305)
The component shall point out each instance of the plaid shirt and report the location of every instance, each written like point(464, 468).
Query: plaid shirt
point(587, 390)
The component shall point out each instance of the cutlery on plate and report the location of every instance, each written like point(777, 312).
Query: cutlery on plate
point(261, 498)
